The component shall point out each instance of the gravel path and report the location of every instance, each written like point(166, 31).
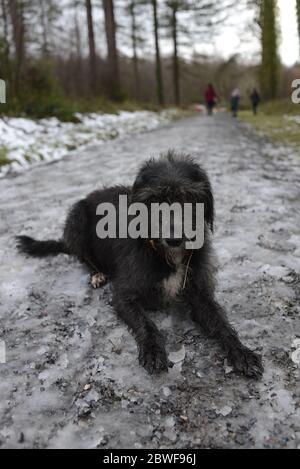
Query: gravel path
point(71, 377)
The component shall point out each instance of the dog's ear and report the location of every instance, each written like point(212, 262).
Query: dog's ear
point(209, 211)
point(137, 187)
point(203, 191)
point(141, 190)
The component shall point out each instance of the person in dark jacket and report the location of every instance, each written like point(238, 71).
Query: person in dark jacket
point(255, 100)
point(210, 98)
point(234, 101)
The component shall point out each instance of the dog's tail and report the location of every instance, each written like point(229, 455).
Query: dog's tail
point(35, 248)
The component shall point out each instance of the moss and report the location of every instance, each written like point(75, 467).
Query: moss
point(27, 158)
point(3, 156)
point(71, 147)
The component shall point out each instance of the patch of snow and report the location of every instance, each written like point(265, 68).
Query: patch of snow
point(178, 355)
point(166, 391)
point(274, 271)
point(224, 411)
point(227, 368)
point(169, 432)
point(295, 356)
point(30, 142)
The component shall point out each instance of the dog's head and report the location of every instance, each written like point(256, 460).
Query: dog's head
point(174, 178)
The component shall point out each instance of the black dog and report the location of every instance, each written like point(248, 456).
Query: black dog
point(147, 274)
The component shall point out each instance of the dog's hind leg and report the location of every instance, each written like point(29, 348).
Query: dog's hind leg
point(98, 280)
point(76, 233)
point(77, 237)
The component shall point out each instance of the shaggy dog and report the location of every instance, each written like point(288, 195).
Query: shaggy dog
point(147, 274)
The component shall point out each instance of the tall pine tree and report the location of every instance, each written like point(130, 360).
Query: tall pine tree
point(269, 73)
point(298, 21)
point(158, 65)
point(112, 50)
point(92, 46)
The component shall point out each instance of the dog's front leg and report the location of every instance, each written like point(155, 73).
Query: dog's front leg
point(212, 319)
point(152, 352)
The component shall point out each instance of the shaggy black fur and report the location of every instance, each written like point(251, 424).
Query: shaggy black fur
point(145, 274)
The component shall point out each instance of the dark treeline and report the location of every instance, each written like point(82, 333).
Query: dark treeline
point(55, 52)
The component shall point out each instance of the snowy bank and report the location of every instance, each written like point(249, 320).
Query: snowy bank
point(24, 142)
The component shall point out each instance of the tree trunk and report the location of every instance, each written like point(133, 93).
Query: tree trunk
point(270, 61)
point(135, 59)
point(298, 21)
point(175, 56)
point(78, 47)
point(16, 8)
point(92, 48)
point(112, 53)
point(44, 22)
point(77, 33)
point(6, 51)
point(159, 78)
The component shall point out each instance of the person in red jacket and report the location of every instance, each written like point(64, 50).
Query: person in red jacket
point(210, 98)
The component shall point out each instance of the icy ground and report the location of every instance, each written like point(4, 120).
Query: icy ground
point(71, 377)
point(26, 142)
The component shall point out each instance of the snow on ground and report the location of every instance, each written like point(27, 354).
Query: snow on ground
point(72, 377)
point(27, 141)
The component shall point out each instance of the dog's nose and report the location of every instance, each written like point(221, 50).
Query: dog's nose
point(174, 242)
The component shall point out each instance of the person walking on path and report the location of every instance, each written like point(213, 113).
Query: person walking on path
point(255, 100)
point(210, 98)
point(234, 101)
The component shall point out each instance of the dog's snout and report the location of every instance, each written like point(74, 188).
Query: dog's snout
point(174, 242)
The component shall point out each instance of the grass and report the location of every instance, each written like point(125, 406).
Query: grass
point(112, 107)
point(66, 108)
point(273, 121)
point(3, 156)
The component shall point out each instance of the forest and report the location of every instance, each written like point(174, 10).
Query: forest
point(149, 345)
point(59, 57)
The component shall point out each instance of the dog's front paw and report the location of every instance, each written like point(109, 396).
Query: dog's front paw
point(246, 362)
point(153, 357)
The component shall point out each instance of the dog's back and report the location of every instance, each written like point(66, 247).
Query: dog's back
point(80, 236)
